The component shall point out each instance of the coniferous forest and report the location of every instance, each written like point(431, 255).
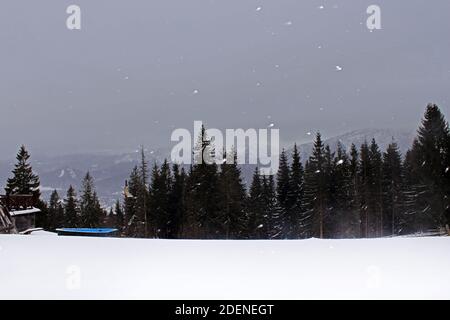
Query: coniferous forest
point(358, 193)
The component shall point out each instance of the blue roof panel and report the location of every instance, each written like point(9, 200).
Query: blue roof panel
point(87, 230)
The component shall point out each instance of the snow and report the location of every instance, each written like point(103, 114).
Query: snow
point(49, 267)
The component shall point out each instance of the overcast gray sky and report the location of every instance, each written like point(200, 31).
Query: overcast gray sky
point(138, 69)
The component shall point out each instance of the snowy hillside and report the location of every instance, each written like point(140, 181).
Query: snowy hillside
point(68, 267)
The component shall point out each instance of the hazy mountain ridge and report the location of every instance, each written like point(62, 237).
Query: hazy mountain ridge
point(111, 170)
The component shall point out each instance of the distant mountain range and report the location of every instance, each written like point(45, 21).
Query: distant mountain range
point(111, 170)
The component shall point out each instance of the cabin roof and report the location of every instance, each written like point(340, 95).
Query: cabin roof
point(32, 210)
point(87, 230)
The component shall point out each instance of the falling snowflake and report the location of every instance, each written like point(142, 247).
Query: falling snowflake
point(260, 226)
point(340, 162)
point(308, 133)
point(258, 84)
point(339, 68)
point(317, 171)
point(126, 78)
point(288, 23)
point(259, 9)
point(321, 7)
point(195, 91)
point(447, 169)
point(271, 125)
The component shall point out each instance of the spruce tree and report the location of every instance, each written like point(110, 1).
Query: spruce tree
point(24, 180)
point(176, 203)
point(273, 212)
point(316, 189)
point(55, 212)
point(142, 197)
point(392, 181)
point(295, 196)
point(71, 209)
point(433, 162)
point(133, 204)
point(232, 199)
point(355, 196)
point(376, 189)
point(119, 217)
point(91, 212)
point(343, 211)
point(205, 196)
point(365, 182)
point(159, 199)
point(257, 227)
point(283, 191)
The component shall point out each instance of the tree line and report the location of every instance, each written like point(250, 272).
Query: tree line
point(358, 193)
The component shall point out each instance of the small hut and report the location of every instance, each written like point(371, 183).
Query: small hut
point(17, 213)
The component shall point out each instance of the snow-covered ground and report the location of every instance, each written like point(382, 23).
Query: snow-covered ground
point(48, 267)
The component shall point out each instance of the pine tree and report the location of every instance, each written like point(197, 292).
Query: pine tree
point(71, 209)
point(204, 192)
point(330, 223)
point(91, 212)
point(232, 199)
point(365, 179)
point(257, 227)
point(295, 196)
point(142, 198)
point(316, 189)
point(283, 191)
point(273, 212)
point(433, 163)
point(376, 189)
point(55, 212)
point(355, 197)
point(132, 206)
point(392, 182)
point(413, 219)
point(24, 180)
point(176, 203)
point(344, 215)
point(119, 216)
point(159, 199)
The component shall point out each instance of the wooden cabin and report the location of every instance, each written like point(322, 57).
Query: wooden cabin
point(17, 213)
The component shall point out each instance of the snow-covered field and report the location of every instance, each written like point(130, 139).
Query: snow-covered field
point(43, 266)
